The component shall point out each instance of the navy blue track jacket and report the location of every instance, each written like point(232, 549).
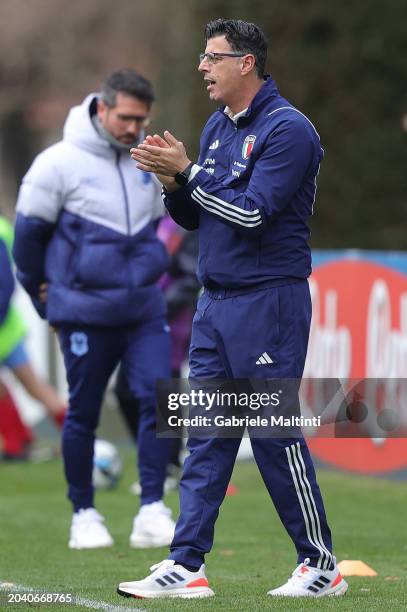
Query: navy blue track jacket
point(253, 195)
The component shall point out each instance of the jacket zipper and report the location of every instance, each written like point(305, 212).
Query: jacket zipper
point(126, 199)
point(126, 208)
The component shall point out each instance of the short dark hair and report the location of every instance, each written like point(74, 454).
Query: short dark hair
point(129, 82)
point(242, 36)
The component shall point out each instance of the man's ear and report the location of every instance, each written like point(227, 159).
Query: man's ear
point(101, 108)
point(248, 63)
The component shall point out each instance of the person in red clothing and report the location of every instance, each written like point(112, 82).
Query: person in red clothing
point(16, 437)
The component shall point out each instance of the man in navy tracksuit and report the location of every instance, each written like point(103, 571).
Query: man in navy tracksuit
point(87, 253)
point(250, 194)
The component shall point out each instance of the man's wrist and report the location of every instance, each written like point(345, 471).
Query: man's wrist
point(182, 177)
point(169, 184)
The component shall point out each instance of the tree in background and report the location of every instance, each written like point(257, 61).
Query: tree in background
point(341, 61)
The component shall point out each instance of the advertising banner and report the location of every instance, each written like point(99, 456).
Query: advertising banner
point(359, 331)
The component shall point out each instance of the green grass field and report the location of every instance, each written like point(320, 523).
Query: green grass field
point(251, 554)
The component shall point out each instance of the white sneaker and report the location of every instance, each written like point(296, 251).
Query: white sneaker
point(152, 527)
point(88, 530)
point(168, 579)
point(309, 581)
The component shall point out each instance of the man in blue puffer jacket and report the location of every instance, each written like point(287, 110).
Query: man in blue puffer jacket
point(87, 253)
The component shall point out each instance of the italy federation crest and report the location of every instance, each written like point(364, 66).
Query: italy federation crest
point(79, 344)
point(248, 146)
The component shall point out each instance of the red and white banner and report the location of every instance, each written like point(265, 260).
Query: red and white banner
point(359, 331)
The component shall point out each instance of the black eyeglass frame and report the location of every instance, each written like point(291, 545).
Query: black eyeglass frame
point(213, 57)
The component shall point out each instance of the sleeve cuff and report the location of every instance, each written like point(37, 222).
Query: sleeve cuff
point(194, 171)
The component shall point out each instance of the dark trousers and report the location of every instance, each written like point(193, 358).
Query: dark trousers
point(91, 355)
point(129, 407)
point(230, 333)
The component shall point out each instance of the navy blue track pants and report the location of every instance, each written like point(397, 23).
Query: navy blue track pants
point(91, 354)
point(230, 332)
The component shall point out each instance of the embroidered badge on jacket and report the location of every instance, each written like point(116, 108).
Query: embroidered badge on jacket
point(248, 146)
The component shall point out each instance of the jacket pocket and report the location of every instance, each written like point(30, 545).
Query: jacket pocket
point(100, 266)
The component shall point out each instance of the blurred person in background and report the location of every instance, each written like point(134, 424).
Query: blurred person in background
point(17, 437)
point(181, 287)
point(87, 253)
point(250, 194)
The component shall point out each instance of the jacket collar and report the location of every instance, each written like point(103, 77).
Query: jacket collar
point(264, 95)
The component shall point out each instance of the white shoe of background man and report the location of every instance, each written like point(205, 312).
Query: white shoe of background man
point(307, 581)
point(88, 530)
point(152, 527)
point(168, 580)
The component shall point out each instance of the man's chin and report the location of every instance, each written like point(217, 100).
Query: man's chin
point(214, 97)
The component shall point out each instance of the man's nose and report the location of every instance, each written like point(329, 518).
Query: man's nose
point(203, 66)
point(133, 127)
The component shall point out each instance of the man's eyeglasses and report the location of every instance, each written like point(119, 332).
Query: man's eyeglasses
point(213, 58)
point(140, 119)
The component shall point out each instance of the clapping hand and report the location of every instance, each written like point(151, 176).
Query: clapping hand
point(163, 156)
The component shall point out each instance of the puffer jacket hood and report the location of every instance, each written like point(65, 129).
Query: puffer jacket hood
point(80, 131)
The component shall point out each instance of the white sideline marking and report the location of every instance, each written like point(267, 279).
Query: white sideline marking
point(78, 601)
